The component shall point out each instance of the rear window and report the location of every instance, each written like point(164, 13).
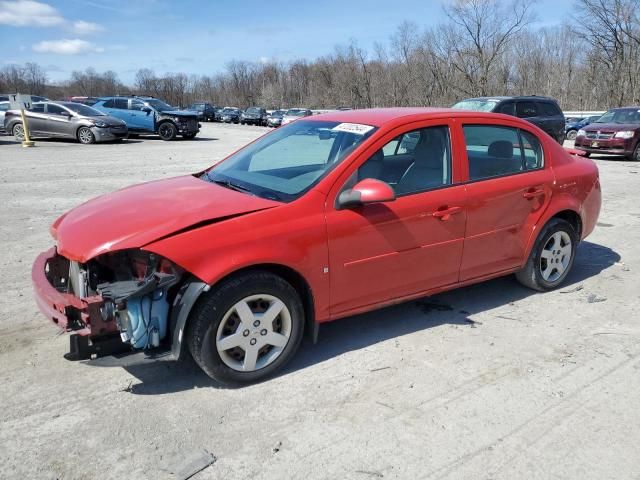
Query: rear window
point(549, 109)
point(120, 103)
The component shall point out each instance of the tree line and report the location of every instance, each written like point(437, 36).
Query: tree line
point(482, 48)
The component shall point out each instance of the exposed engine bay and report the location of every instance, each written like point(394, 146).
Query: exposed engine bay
point(131, 292)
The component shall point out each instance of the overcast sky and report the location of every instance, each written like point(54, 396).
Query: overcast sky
point(201, 36)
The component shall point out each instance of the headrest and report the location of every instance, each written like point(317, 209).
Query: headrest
point(501, 149)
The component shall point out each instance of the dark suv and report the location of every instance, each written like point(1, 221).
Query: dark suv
point(541, 111)
point(254, 116)
point(206, 111)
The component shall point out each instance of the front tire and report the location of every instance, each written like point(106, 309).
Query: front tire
point(167, 131)
point(86, 136)
point(572, 134)
point(636, 154)
point(247, 328)
point(551, 257)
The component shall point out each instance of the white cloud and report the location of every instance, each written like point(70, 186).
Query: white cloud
point(66, 47)
point(28, 13)
point(81, 27)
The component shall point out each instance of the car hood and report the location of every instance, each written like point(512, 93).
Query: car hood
point(138, 215)
point(611, 127)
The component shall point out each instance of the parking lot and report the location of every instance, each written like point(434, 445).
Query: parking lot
point(486, 382)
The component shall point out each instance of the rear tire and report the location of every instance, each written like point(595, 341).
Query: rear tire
point(167, 131)
point(18, 131)
point(551, 257)
point(228, 336)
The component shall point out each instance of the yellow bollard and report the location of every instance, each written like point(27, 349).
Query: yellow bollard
point(26, 142)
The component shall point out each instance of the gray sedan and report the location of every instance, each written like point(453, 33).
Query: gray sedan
point(66, 120)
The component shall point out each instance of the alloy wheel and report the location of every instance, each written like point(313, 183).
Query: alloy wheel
point(254, 332)
point(555, 256)
point(85, 135)
point(18, 131)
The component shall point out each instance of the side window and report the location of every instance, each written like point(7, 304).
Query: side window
point(496, 151)
point(109, 103)
point(526, 109)
point(419, 160)
point(136, 105)
point(37, 108)
point(508, 108)
point(4, 107)
point(56, 110)
point(120, 103)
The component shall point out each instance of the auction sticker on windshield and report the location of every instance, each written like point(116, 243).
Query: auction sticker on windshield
point(357, 128)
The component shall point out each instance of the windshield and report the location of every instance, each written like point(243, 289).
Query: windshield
point(620, 116)
point(295, 112)
point(159, 105)
point(229, 110)
point(197, 106)
point(285, 164)
point(477, 105)
point(83, 109)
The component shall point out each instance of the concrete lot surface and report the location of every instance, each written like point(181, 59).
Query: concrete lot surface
point(487, 382)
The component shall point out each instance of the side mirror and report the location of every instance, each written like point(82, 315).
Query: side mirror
point(365, 192)
point(146, 109)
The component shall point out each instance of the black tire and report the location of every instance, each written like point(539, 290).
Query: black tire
point(85, 136)
point(635, 156)
point(532, 274)
point(189, 136)
point(167, 131)
point(213, 306)
point(572, 134)
point(18, 131)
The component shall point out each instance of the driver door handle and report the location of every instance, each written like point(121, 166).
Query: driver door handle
point(444, 213)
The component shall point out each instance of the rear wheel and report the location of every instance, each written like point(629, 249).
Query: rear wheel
point(85, 136)
point(167, 131)
point(247, 328)
point(18, 131)
point(572, 134)
point(551, 257)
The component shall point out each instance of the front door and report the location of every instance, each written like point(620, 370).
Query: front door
point(509, 187)
point(390, 250)
point(59, 121)
point(140, 119)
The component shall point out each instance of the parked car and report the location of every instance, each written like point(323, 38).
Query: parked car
point(218, 114)
point(66, 120)
point(34, 98)
point(254, 116)
point(294, 114)
point(326, 217)
point(541, 111)
point(4, 106)
point(90, 101)
point(230, 115)
point(150, 115)
point(275, 118)
point(617, 132)
point(572, 128)
point(206, 111)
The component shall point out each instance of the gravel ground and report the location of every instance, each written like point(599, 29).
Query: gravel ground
point(487, 382)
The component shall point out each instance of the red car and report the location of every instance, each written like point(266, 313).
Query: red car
point(329, 216)
point(617, 132)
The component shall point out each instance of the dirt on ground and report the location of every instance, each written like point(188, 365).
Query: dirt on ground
point(492, 381)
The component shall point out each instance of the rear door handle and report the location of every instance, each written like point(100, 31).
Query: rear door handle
point(533, 193)
point(445, 213)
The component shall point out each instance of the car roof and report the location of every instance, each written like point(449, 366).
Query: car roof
point(379, 116)
point(517, 97)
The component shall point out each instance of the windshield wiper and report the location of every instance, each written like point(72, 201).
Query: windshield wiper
point(233, 186)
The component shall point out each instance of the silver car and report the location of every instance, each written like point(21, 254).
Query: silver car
point(66, 120)
point(4, 106)
point(294, 114)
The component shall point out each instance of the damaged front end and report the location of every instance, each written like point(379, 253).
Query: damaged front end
point(116, 302)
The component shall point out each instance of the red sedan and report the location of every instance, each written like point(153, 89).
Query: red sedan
point(329, 216)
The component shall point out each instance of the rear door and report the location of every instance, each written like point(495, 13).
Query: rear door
point(508, 188)
point(117, 107)
point(37, 119)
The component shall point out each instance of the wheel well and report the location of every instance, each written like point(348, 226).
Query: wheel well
point(573, 218)
point(301, 286)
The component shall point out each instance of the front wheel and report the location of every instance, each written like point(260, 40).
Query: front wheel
point(551, 258)
point(572, 134)
point(86, 136)
point(167, 131)
point(636, 154)
point(247, 328)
